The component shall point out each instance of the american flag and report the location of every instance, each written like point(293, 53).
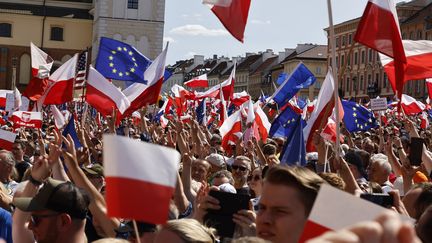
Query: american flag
point(81, 70)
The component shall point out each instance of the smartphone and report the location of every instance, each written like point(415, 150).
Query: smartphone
point(382, 199)
point(221, 219)
point(416, 150)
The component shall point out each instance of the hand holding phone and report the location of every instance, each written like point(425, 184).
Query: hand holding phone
point(416, 150)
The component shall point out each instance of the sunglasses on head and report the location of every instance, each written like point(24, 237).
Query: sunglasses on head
point(36, 219)
point(237, 167)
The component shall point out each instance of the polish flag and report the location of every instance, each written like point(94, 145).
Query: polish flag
point(379, 29)
point(40, 61)
point(163, 121)
point(132, 169)
point(223, 115)
point(411, 106)
point(3, 93)
point(239, 98)
point(424, 120)
point(61, 89)
point(198, 82)
point(186, 118)
point(103, 95)
point(261, 120)
point(233, 14)
point(140, 94)
point(418, 65)
point(27, 119)
point(59, 119)
point(181, 95)
point(330, 202)
point(311, 105)
point(322, 111)
point(250, 113)
point(230, 129)
point(227, 87)
point(428, 85)
point(7, 139)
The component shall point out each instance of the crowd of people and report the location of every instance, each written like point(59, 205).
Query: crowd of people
point(53, 192)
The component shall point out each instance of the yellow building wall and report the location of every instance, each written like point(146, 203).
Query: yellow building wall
point(77, 33)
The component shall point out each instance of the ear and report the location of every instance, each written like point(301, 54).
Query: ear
point(64, 221)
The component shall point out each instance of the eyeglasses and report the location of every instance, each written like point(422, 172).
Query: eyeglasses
point(241, 168)
point(36, 219)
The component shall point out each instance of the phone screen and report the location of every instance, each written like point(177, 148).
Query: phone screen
point(416, 150)
point(381, 199)
point(221, 219)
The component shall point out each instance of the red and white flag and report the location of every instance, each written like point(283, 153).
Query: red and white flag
point(232, 13)
point(330, 202)
point(379, 29)
point(103, 95)
point(321, 112)
point(132, 169)
point(140, 94)
point(40, 61)
point(226, 86)
point(424, 120)
point(239, 98)
point(411, 106)
point(223, 112)
point(59, 119)
point(27, 119)
point(230, 129)
point(198, 82)
point(3, 93)
point(262, 122)
point(429, 87)
point(61, 81)
point(418, 65)
point(7, 139)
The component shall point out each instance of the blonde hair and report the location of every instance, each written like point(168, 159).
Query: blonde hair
point(190, 230)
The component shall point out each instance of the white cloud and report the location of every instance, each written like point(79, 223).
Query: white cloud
point(190, 54)
point(185, 15)
point(260, 22)
point(168, 39)
point(196, 30)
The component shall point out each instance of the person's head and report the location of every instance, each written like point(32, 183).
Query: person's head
point(58, 211)
point(358, 141)
point(280, 143)
point(18, 150)
point(7, 165)
point(424, 225)
point(355, 164)
point(146, 231)
point(333, 179)
point(241, 168)
point(368, 145)
point(269, 149)
point(222, 177)
point(185, 230)
point(255, 182)
point(216, 161)
point(215, 140)
point(200, 170)
point(379, 171)
point(287, 198)
point(95, 174)
point(418, 199)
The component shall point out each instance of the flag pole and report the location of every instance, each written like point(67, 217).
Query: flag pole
point(137, 236)
point(335, 76)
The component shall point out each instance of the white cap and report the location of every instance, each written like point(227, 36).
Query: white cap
point(216, 159)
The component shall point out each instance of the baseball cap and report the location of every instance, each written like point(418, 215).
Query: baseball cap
point(216, 159)
point(58, 196)
point(94, 169)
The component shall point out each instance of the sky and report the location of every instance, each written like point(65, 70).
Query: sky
point(192, 29)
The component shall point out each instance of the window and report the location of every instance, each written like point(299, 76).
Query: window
point(5, 30)
point(355, 58)
point(337, 42)
point(417, 87)
point(363, 55)
point(361, 82)
point(337, 62)
point(318, 70)
point(133, 4)
point(343, 40)
point(349, 39)
point(347, 84)
point(57, 33)
point(24, 69)
point(370, 55)
point(342, 60)
point(419, 35)
point(377, 78)
point(349, 60)
point(369, 79)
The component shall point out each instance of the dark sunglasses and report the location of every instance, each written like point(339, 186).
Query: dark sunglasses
point(241, 168)
point(36, 219)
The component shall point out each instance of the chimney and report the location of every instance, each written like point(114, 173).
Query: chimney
point(215, 57)
point(248, 54)
point(198, 60)
point(267, 54)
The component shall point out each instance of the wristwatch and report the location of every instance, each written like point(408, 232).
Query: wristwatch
point(34, 181)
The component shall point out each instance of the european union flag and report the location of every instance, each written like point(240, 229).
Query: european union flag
point(300, 78)
point(294, 150)
point(281, 78)
point(120, 61)
point(283, 125)
point(70, 129)
point(357, 117)
point(201, 112)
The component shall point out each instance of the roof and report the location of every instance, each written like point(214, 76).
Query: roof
point(218, 69)
point(51, 11)
point(248, 61)
point(267, 64)
point(318, 52)
point(414, 16)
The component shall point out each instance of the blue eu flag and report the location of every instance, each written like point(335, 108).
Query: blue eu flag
point(121, 61)
point(294, 151)
point(284, 123)
point(357, 117)
point(70, 129)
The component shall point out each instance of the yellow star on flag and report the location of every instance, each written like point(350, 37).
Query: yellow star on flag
point(132, 70)
point(119, 48)
point(130, 53)
point(114, 70)
point(121, 74)
point(111, 57)
point(111, 64)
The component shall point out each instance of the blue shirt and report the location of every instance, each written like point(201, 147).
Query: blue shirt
point(5, 225)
